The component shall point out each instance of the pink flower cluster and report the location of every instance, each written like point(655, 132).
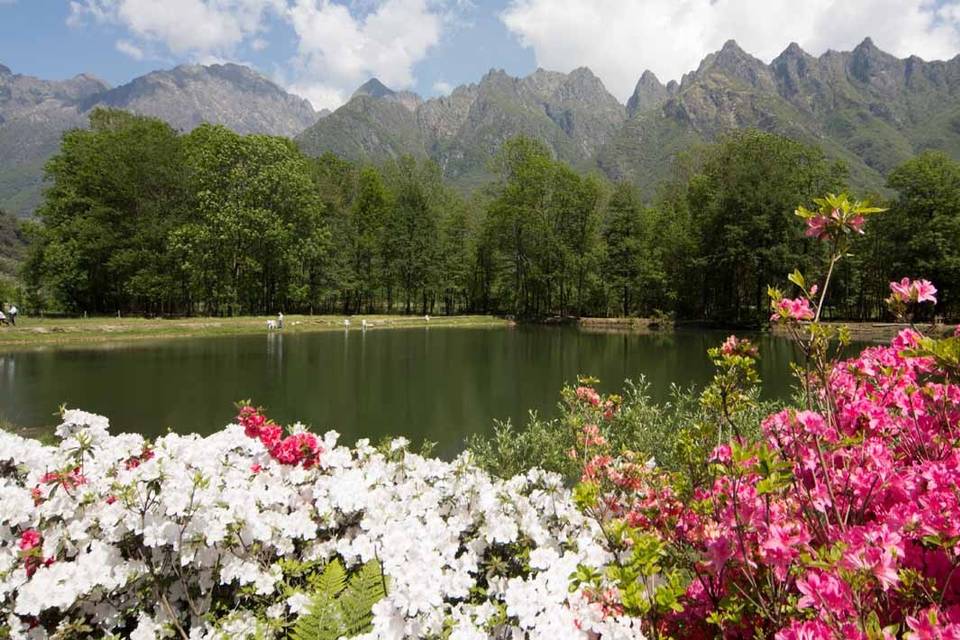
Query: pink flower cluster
point(915, 291)
point(734, 346)
point(30, 550)
point(791, 309)
point(840, 517)
point(588, 395)
point(821, 226)
point(68, 480)
point(295, 449)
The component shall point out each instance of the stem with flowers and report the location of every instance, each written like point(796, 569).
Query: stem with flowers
point(841, 522)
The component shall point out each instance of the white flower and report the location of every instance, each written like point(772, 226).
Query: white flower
point(196, 519)
point(299, 603)
point(146, 629)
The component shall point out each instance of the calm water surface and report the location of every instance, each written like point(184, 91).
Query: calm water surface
point(439, 384)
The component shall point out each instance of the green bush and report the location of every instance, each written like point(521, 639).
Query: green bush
point(675, 434)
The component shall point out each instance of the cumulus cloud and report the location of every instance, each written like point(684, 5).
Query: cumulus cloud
point(128, 48)
point(442, 87)
point(338, 46)
point(338, 50)
point(185, 27)
point(619, 39)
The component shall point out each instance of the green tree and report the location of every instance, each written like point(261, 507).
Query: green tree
point(243, 245)
point(412, 231)
point(922, 229)
point(116, 190)
point(741, 199)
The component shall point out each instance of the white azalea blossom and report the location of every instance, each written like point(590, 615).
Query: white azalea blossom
point(140, 539)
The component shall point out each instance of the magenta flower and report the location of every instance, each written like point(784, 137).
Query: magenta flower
point(915, 291)
point(792, 309)
point(29, 539)
point(741, 347)
point(588, 395)
point(810, 630)
point(817, 227)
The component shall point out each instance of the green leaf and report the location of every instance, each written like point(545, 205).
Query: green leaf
point(797, 278)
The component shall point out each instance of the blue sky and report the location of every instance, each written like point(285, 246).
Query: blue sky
point(323, 49)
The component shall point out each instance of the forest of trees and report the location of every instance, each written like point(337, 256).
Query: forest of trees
point(139, 218)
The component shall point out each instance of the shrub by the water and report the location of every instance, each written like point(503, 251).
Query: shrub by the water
point(676, 433)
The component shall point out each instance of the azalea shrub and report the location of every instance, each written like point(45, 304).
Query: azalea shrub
point(227, 536)
point(841, 521)
point(677, 432)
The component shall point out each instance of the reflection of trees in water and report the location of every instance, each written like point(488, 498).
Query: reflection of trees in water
point(275, 349)
point(7, 366)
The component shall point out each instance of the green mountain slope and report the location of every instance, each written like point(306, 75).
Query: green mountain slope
point(864, 107)
point(573, 113)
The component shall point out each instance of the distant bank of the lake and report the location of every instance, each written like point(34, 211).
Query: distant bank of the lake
point(424, 382)
point(33, 331)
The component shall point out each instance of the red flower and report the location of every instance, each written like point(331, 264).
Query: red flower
point(30, 539)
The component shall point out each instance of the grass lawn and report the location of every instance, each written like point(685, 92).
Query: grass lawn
point(53, 331)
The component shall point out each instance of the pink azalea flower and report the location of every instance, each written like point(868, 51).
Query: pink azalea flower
point(925, 290)
point(736, 346)
point(588, 395)
point(29, 539)
point(722, 454)
point(792, 309)
point(808, 630)
point(817, 227)
point(916, 291)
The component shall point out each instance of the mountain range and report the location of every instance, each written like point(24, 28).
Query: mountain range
point(34, 113)
point(866, 107)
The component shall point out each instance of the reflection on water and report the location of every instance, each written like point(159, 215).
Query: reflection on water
point(439, 384)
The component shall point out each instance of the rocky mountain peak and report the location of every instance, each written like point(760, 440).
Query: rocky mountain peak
point(734, 63)
point(582, 84)
point(543, 83)
point(793, 52)
point(649, 94)
point(583, 74)
point(373, 88)
point(870, 65)
point(791, 68)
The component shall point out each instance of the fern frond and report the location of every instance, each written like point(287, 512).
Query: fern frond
point(322, 621)
point(341, 607)
point(333, 580)
point(363, 591)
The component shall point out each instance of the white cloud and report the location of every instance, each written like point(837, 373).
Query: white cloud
point(128, 48)
point(442, 87)
point(619, 39)
point(337, 50)
point(185, 27)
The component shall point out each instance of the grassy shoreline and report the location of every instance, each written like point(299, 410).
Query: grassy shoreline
point(33, 332)
point(55, 332)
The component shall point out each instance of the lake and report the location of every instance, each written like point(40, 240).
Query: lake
point(439, 384)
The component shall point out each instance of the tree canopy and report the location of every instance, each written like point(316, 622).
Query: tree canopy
point(141, 218)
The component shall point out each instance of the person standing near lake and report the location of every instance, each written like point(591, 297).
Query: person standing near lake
point(280, 320)
point(13, 314)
